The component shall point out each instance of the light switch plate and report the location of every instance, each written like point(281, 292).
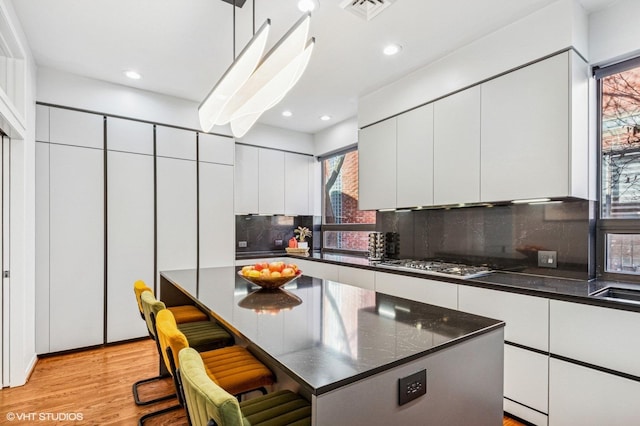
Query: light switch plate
point(547, 259)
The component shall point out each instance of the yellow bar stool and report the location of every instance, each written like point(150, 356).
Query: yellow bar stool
point(204, 334)
point(233, 368)
point(183, 313)
point(206, 401)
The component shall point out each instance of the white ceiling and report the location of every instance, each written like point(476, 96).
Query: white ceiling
point(182, 47)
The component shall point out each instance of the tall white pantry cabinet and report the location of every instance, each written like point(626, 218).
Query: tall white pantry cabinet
point(119, 200)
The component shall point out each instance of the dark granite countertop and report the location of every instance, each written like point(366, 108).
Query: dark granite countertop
point(329, 334)
point(572, 290)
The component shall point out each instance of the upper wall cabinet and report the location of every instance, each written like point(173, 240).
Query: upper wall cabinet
point(216, 149)
point(377, 166)
point(414, 158)
point(129, 136)
point(69, 127)
point(175, 143)
point(296, 184)
point(456, 169)
point(534, 124)
point(270, 181)
point(396, 161)
point(522, 135)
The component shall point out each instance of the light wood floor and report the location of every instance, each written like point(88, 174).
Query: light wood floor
point(95, 384)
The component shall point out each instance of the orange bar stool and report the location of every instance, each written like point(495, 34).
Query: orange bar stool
point(204, 334)
point(233, 368)
point(207, 402)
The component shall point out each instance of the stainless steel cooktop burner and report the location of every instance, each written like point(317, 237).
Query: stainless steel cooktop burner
point(444, 269)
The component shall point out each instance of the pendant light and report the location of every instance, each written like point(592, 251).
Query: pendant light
point(251, 86)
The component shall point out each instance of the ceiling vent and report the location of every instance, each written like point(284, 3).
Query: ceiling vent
point(366, 9)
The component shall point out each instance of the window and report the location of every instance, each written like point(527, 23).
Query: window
point(344, 227)
point(619, 216)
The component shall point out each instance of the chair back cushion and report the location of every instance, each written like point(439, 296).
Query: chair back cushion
point(150, 307)
point(139, 287)
point(170, 337)
point(204, 399)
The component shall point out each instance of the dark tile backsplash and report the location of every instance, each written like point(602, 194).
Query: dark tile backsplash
point(504, 237)
point(261, 233)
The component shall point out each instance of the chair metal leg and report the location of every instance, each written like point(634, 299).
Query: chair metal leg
point(136, 397)
point(157, 413)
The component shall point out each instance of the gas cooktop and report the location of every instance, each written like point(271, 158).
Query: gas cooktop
point(432, 267)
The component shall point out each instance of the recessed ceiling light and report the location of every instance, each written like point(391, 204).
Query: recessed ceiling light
point(325, 118)
point(287, 113)
point(392, 49)
point(134, 75)
point(308, 5)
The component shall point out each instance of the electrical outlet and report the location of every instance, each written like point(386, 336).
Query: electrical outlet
point(412, 387)
point(278, 243)
point(242, 244)
point(547, 259)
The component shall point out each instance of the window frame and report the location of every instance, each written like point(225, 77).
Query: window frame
point(605, 226)
point(339, 227)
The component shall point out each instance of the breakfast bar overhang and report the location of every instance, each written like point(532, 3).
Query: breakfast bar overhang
point(359, 356)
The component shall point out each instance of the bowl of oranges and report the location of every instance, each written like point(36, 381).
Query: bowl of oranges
point(270, 275)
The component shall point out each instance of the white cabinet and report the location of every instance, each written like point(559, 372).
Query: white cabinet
point(246, 180)
point(528, 149)
point(270, 181)
point(296, 184)
point(419, 289)
point(377, 166)
point(216, 197)
point(217, 221)
point(526, 379)
point(175, 143)
point(176, 199)
point(130, 240)
point(456, 165)
point(216, 149)
point(604, 337)
point(414, 158)
point(325, 271)
point(583, 396)
point(526, 317)
point(176, 214)
point(130, 223)
point(76, 128)
point(42, 246)
point(129, 136)
point(69, 230)
point(315, 188)
point(42, 123)
point(76, 287)
point(362, 278)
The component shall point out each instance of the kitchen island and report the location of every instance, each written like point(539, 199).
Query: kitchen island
point(358, 355)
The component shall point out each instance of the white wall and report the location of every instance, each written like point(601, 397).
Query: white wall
point(22, 355)
point(553, 28)
point(66, 89)
point(62, 88)
point(274, 137)
point(614, 33)
point(336, 137)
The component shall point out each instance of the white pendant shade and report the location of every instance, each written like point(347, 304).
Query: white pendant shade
point(233, 79)
point(269, 94)
point(265, 86)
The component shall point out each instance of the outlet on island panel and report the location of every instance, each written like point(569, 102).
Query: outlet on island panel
point(412, 387)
